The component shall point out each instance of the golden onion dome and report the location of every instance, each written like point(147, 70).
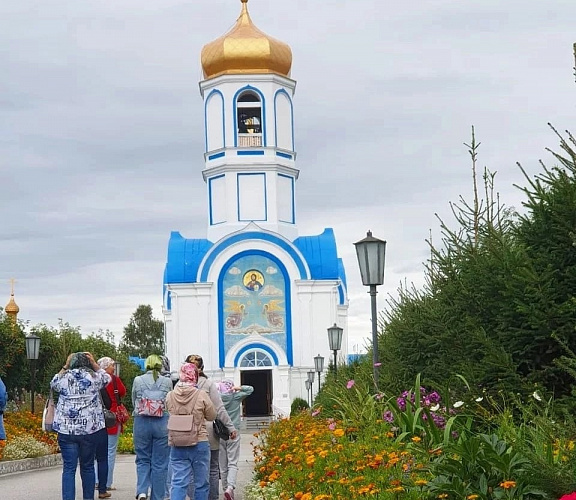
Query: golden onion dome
point(245, 50)
point(12, 308)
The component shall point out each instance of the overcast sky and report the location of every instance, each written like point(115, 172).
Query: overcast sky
point(101, 132)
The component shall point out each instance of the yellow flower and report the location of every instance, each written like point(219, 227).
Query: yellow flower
point(443, 495)
point(338, 432)
point(416, 439)
point(471, 497)
point(508, 484)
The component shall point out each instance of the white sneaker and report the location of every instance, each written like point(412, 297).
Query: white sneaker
point(229, 493)
point(142, 496)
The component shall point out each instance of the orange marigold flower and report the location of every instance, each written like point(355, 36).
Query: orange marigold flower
point(471, 497)
point(416, 439)
point(508, 484)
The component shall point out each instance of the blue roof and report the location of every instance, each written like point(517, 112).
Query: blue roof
point(321, 254)
point(184, 258)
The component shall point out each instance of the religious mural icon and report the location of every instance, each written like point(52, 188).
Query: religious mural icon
point(253, 280)
point(253, 301)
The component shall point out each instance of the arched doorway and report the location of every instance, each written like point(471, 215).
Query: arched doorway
point(256, 370)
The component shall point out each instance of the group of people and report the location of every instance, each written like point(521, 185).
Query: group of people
point(177, 450)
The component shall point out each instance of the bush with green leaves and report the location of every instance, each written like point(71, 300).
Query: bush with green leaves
point(298, 405)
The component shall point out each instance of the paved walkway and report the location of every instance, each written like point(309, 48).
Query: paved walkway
point(45, 484)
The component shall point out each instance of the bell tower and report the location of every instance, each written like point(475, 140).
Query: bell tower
point(250, 169)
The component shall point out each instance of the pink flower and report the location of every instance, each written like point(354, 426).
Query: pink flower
point(350, 384)
point(570, 496)
point(315, 413)
point(332, 426)
point(377, 364)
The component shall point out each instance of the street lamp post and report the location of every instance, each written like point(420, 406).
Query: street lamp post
point(319, 366)
point(311, 380)
point(308, 389)
point(117, 366)
point(371, 253)
point(32, 353)
point(335, 342)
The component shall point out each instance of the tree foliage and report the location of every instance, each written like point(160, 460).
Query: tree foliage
point(144, 335)
point(499, 291)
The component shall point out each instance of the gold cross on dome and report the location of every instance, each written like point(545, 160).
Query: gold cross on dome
point(12, 281)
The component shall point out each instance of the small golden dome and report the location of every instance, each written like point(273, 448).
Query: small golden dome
point(12, 308)
point(245, 50)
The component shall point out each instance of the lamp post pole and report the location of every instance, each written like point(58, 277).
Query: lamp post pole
point(373, 293)
point(335, 343)
point(319, 366)
point(308, 388)
point(371, 253)
point(32, 353)
point(311, 380)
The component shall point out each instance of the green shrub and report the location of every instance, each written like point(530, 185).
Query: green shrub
point(298, 405)
point(22, 447)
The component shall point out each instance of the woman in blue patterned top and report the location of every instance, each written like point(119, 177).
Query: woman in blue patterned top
point(77, 419)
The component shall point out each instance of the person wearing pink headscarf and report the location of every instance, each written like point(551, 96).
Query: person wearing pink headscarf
point(232, 397)
point(190, 459)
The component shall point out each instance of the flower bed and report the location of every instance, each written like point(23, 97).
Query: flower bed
point(25, 437)
point(312, 458)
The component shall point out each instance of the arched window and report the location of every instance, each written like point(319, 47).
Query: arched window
point(249, 119)
point(255, 359)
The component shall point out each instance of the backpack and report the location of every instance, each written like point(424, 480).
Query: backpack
point(183, 430)
point(152, 402)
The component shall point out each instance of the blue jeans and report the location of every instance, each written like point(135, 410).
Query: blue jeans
point(101, 465)
point(214, 478)
point(76, 448)
point(187, 461)
point(152, 455)
point(112, 447)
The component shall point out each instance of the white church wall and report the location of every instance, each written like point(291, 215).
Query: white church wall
point(214, 120)
point(192, 325)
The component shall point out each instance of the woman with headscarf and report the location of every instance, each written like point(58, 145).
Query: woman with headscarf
point(205, 384)
point(150, 430)
point(77, 419)
point(115, 391)
point(190, 453)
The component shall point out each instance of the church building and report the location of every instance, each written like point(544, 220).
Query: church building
point(252, 296)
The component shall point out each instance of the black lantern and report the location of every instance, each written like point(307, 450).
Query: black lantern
point(371, 254)
point(308, 391)
point(319, 366)
point(32, 353)
point(335, 342)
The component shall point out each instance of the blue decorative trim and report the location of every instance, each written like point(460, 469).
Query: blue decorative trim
point(288, 299)
point(282, 91)
point(253, 235)
point(293, 221)
point(212, 223)
point(250, 153)
point(341, 295)
point(235, 112)
point(283, 155)
point(210, 95)
point(217, 155)
point(263, 175)
point(250, 347)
